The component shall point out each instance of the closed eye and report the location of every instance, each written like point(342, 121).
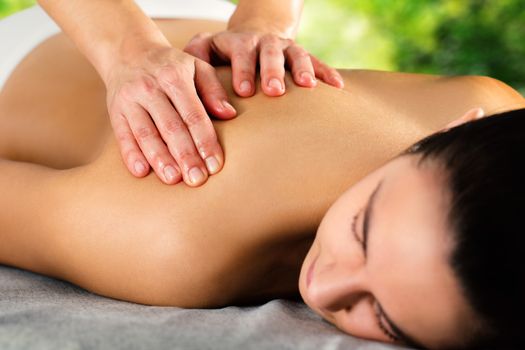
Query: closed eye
point(354, 229)
point(379, 322)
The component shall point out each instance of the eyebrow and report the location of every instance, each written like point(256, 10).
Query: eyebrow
point(401, 335)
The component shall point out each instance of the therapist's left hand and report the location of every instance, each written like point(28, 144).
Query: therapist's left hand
point(243, 49)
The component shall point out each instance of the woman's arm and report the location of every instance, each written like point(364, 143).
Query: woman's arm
point(26, 205)
point(99, 235)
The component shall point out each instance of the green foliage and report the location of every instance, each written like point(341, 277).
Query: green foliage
point(484, 37)
point(8, 7)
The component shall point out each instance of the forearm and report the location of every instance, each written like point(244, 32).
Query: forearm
point(277, 16)
point(105, 30)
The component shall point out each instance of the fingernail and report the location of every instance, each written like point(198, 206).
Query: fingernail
point(212, 164)
point(228, 106)
point(139, 167)
point(308, 77)
point(275, 84)
point(195, 175)
point(245, 87)
point(169, 173)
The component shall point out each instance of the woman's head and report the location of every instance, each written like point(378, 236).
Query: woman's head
point(443, 251)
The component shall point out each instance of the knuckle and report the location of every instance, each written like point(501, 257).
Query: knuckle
point(269, 39)
point(124, 137)
point(202, 35)
point(193, 117)
point(272, 51)
point(170, 78)
point(127, 92)
point(118, 119)
point(144, 133)
point(238, 56)
point(248, 41)
point(301, 55)
point(288, 42)
point(146, 85)
point(173, 126)
point(195, 39)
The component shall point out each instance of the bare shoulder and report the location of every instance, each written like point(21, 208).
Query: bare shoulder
point(440, 99)
point(504, 97)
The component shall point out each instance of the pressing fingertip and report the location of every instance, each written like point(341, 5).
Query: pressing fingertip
point(274, 87)
point(170, 174)
point(227, 106)
point(212, 164)
point(245, 88)
point(223, 109)
point(338, 81)
point(307, 79)
point(139, 168)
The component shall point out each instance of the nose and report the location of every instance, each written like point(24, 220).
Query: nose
point(336, 285)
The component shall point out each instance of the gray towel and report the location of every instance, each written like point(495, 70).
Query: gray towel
point(37, 312)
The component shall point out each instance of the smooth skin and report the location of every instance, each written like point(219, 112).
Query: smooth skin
point(158, 95)
point(70, 209)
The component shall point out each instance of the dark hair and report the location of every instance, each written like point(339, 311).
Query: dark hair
point(484, 163)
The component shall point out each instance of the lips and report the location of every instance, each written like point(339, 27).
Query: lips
point(310, 272)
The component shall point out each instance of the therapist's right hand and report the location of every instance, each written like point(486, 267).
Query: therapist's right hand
point(157, 103)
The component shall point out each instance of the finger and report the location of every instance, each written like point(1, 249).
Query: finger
point(178, 139)
point(129, 149)
point(272, 66)
point(301, 65)
point(200, 127)
point(200, 46)
point(244, 63)
point(326, 73)
point(152, 146)
point(211, 91)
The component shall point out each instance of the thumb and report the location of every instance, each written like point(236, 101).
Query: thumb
point(200, 46)
point(211, 91)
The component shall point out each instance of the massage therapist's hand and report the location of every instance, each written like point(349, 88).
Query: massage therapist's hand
point(159, 119)
point(244, 48)
point(152, 89)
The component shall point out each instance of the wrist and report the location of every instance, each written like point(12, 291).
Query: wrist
point(131, 48)
point(283, 29)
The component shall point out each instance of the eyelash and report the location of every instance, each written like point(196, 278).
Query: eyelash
point(376, 308)
point(393, 337)
point(354, 230)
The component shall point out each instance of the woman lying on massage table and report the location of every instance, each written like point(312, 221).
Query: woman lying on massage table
point(409, 249)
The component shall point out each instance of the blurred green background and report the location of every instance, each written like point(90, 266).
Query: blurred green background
point(484, 37)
